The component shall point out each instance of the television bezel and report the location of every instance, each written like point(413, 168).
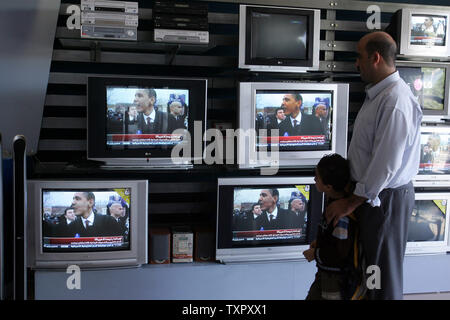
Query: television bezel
point(407, 49)
point(433, 115)
point(140, 157)
point(247, 116)
point(434, 178)
point(279, 64)
point(135, 256)
point(431, 247)
point(260, 253)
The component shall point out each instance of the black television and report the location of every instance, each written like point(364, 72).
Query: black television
point(245, 231)
point(279, 39)
point(138, 121)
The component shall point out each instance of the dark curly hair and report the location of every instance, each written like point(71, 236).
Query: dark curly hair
point(334, 170)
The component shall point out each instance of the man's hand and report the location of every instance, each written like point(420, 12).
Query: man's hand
point(309, 254)
point(342, 207)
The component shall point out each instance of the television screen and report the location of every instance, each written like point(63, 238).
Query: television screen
point(434, 151)
point(145, 117)
point(303, 119)
point(427, 84)
point(279, 39)
point(266, 218)
point(133, 121)
point(427, 222)
point(282, 36)
point(428, 30)
point(86, 220)
point(258, 218)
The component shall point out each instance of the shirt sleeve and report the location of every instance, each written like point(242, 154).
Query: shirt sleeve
point(391, 137)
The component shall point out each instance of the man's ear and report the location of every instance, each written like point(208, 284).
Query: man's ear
point(376, 57)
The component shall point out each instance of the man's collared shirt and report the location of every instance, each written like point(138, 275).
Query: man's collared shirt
point(90, 219)
point(385, 148)
point(298, 118)
point(151, 116)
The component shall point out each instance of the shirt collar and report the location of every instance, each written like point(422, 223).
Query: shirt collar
point(274, 213)
point(298, 118)
point(151, 115)
point(90, 219)
point(373, 90)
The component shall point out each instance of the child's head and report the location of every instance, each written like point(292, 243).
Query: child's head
point(332, 174)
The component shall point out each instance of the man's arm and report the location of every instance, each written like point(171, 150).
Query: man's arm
point(343, 207)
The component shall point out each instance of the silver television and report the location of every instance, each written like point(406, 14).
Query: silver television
point(430, 83)
point(429, 222)
point(278, 39)
point(115, 234)
point(259, 103)
point(244, 232)
point(424, 32)
point(434, 153)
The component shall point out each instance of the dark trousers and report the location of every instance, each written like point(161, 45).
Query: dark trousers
point(383, 234)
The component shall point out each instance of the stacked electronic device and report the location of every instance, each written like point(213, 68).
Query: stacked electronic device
point(112, 20)
point(421, 36)
point(181, 22)
point(122, 139)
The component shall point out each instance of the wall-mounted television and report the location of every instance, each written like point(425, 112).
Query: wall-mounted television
point(138, 121)
point(313, 122)
point(429, 223)
point(245, 230)
point(91, 224)
point(434, 153)
point(429, 82)
point(424, 32)
point(278, 39)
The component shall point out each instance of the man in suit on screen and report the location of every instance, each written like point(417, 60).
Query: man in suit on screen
point(273, 217)
point(89, 223)
point(150, 120)
point(296, 122)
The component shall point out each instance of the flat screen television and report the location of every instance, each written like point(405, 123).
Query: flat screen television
point(424, 32)
point(429, 82)
point(138, 121)
point(245, 230)
point(429, 223)
point(279, 39)
point(92, 224)
point(434, 153)
point(320, 109)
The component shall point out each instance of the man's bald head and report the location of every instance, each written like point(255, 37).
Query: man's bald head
point(382, 43)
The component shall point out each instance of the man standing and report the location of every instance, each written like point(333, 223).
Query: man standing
point(150, 121)
point(384, 157)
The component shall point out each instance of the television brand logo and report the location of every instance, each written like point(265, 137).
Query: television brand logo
point(74, 280)
point(213, 153)
point(374, 21)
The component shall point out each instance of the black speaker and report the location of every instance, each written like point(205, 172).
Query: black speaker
point(20, 218)
point(159, 245)
point(205, 245)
